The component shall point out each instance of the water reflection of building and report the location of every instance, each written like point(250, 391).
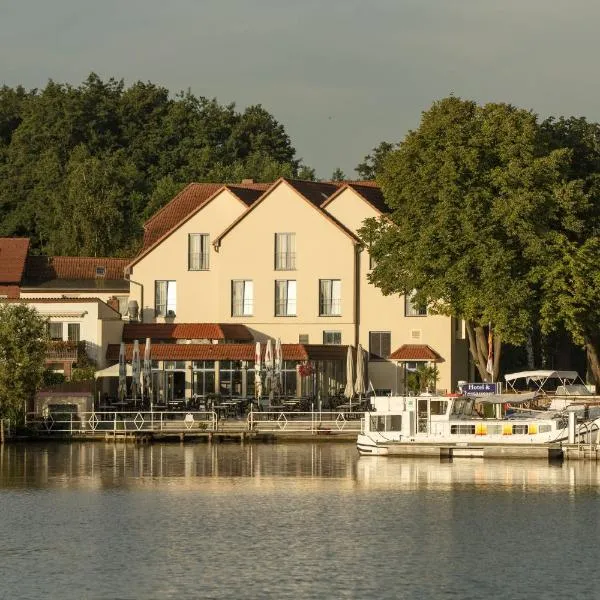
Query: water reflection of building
point(99, 465)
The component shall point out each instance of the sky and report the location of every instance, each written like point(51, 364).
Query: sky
point(340, 75)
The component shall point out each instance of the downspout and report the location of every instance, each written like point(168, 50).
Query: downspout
point(357, 251)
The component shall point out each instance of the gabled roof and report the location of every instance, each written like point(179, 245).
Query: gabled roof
point(13, 254)
point(416, 352)
point(186, 204)
point(186, 331)
point(316, 191)
point(367, 190)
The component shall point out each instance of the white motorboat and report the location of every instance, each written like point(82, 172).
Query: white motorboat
point(423, 424)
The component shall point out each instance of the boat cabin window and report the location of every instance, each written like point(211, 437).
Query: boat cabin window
point(386, 423)
point(462, 429)
point(520, 429)
point(494, 429)
point(438, 407)
point(463, 406)
point(544, 428)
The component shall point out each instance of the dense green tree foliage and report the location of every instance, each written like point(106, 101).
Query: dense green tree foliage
point(372, 164)
point(570, 271)
point(23, 346)
point(81, 167)
point(467, 190)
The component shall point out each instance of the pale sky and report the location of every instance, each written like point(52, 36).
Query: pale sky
point(341, 75)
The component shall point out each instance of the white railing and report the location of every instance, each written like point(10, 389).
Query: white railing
point(123, 422)
point(310, 422)
point(192, 421)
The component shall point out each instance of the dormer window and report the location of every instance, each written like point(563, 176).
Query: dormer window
point(100, 272)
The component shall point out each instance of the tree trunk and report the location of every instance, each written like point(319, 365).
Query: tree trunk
point(478, 346)
point(591, 348)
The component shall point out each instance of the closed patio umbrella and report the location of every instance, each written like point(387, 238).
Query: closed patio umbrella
point(349, 389)
point(136, 370)
point(257, 377)
point(147, 372)
point(122, 373)
point(278, 367)
point(359, 385)
point(269, 367)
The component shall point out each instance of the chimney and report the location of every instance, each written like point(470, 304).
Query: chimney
point(113, 303)
point(247, 181)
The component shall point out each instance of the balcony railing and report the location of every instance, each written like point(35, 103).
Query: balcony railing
point(60, 350)
point(242, 308)
point(330, 308)
point(285, 261)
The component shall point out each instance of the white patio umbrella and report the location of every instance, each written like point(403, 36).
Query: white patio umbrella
point(122, 373)
point(257, 377)
point(147, 372)
point(278, 367)
point(359, 385)
point(269, 367)
point(136, 370)
point(349, 389)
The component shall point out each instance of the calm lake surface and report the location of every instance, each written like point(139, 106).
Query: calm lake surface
point(96, 520)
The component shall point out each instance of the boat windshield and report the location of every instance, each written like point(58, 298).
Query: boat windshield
point(463, 406)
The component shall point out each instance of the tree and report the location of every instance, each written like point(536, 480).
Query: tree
point(338, 175)
point(137, 143)
point(23, 346)
point(466, 189)
point(372, 164)
point(570, 275)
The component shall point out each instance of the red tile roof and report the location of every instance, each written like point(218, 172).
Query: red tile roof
point(416, 352)
point(186, 331)
point(205, 351)
point(294, 352)
point(188, 201)
point(13, 253)
point(41, 268)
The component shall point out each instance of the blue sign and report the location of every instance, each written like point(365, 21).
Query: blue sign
point(479, 389)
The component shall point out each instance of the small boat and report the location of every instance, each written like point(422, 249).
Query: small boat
point(423, 424)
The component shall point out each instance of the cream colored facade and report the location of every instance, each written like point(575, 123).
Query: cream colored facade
point(98, 325)
point(197, 299)
point(242, 248)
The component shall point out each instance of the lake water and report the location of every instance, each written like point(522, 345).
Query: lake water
point(96, 520)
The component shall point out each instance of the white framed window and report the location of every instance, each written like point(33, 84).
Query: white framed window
point(242, 298)
point(285, 251)
point(379, 345)
point(411, 309)
point(165, 298)
point(74, 332)
point(198, 251)
point(285, 298)
point(330, 297)
point(55, 330)
point(332, 337)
